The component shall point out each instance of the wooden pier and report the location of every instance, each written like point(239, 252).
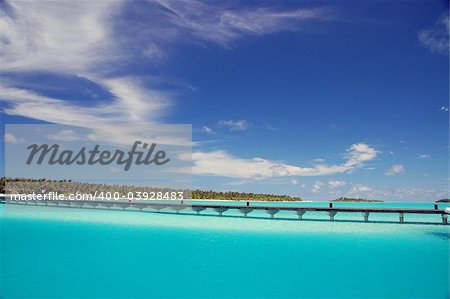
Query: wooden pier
point(220, 209)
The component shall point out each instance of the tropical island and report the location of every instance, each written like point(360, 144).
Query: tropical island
point(349, 199)
point(27, 185)
point(446, 200)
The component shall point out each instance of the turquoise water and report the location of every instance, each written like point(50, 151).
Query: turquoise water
point(66, 253)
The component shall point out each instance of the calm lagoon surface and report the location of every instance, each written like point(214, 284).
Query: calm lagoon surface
point(49, 252)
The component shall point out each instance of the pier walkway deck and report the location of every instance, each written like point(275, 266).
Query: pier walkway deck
point(220, 208)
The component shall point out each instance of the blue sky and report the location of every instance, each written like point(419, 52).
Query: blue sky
point(316, 99)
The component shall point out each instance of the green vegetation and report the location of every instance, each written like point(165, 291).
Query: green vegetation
point(349, 199)
point(199, 194)
point(28, 186)
point(443, 200)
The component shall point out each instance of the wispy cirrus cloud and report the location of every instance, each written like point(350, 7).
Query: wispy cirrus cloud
point(94, 39)
point(234, 125)
point(65, 135)
point(395, 169)
point(76, 39)
point(436, 38)
point(359, 188)
point(336, 184)
point(105, 120)
point(72, 37)
point(222, 23)
point(221, 163)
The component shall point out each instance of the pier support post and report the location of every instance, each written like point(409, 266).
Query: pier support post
point(366, 216)
point(124, 206)
point(300, 214)
point(245, 211)
point(220, 210)
point(332, 214)
point(109, 205)
point(177, 209)
point(444, 218)
point(158, 208)
point(272, 212)
point(140, 206)
point(401, 217)
point(198, 209)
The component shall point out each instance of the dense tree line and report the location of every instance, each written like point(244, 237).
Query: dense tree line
point(200, 194)
point(443, 200)
point(356, 199)
point(27, 186)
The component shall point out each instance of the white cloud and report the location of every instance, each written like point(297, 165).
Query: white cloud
point(402, 193)
point(108, 122)
point(234, 125)
point(134, 101)
point(130, 103)
point(424, 156)
point(65, 135)
point(359, 188)
point(238, 183)
point(437, 38)
point(395, 169)
point(444, 109)
point(270, 128)
point(72, 37)
point(220, 24)
point(10, 138)
point(221, 163)
point(359, 153)
point(319, 160)
point(294, 182)
point(317, 187)
point(336, 184)
point(154, 52)
point(76, 39)
point(30, 104)
point(207, 130)
point(89, 39)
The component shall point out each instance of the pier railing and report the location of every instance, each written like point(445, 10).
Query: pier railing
point(220, 209)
